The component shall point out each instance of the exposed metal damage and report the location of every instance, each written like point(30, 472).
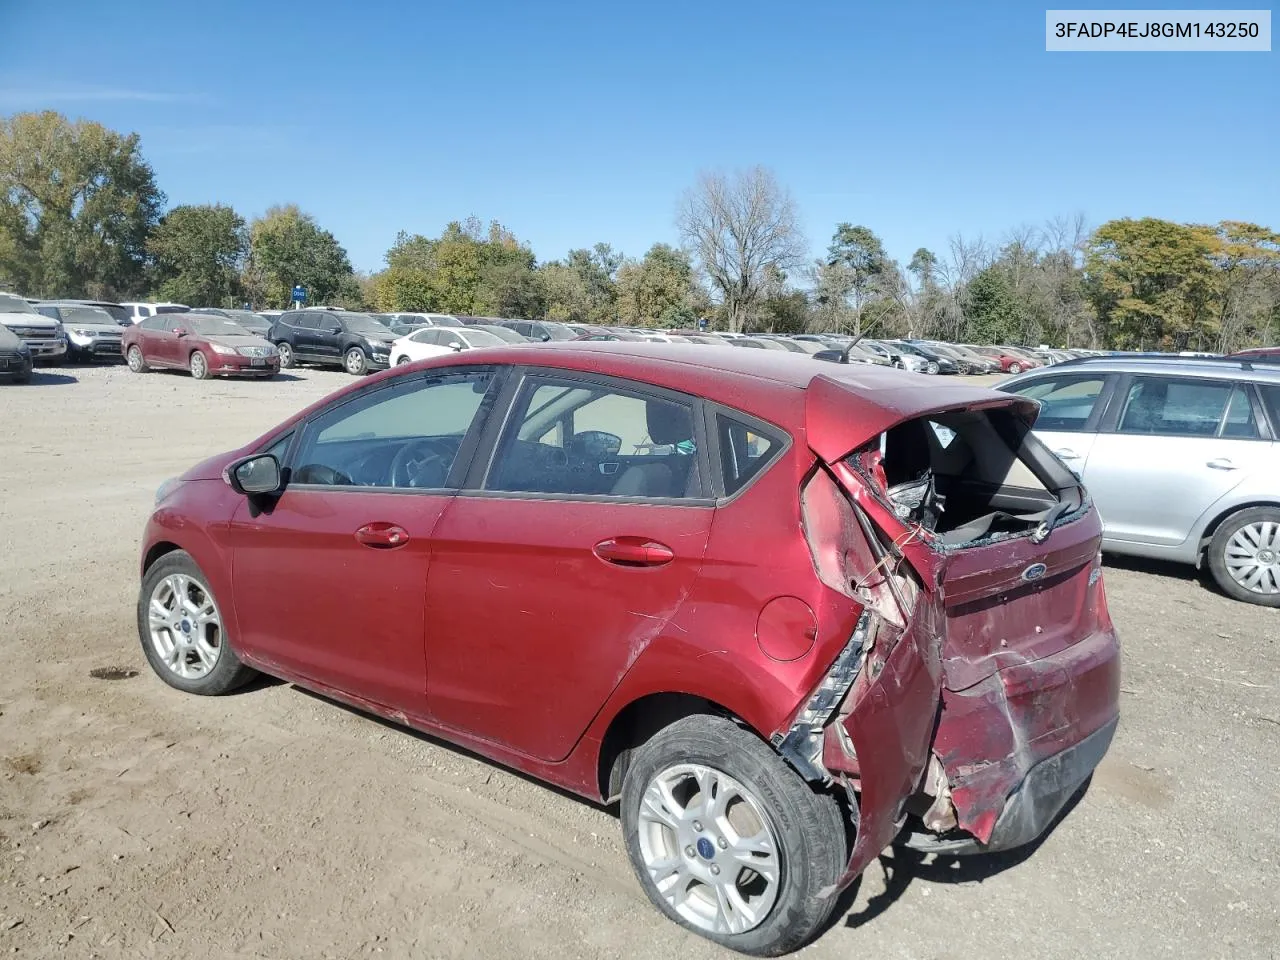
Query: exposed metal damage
point(996, 618)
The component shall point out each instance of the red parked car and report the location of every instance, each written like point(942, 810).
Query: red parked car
point(1270, 354)
point(1009, 362)
point(787, 612)
point(205, 344)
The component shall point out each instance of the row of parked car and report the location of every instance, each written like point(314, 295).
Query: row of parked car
point(208, 341)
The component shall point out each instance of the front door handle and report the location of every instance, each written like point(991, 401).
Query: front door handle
point(382, 536)
point(1222, 463)
point(634, 552)
point(1066, 454)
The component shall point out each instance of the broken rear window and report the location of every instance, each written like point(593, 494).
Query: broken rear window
point(968, 476)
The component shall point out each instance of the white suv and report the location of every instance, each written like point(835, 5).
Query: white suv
point(139, 311)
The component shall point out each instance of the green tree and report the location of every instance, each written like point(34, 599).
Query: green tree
point(199, 254)
point(77, 201)
point(582, 288)
point(659, 289)
point(467, 270)
point(1154, 283)
point(992, 312)
point(287, 247)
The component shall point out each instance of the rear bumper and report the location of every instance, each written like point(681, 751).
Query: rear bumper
point(1045, 790)
point(1016, 746)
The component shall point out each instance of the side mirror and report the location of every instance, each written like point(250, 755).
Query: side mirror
point(455, 347)
point(545, 338)
point(179, 331)
point(254, 475)
point(334, 331)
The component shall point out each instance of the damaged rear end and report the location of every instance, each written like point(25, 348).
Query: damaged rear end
point(981, 686)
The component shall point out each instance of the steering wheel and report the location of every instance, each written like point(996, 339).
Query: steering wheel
point(419, 463)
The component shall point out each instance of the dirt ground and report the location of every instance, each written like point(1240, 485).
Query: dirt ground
point(139, 822)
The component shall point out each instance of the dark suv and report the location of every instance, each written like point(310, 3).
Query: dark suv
point(354, 341)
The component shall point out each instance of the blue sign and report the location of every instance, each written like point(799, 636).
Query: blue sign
point(300, 294)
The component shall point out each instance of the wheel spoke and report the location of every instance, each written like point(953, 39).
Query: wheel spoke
point(207, 652)
point(158, 613)
point(659, 805)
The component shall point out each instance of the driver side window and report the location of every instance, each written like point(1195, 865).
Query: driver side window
point(404, 435)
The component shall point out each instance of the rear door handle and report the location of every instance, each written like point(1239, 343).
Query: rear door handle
point(382, 536)
point(1222, 463)
point(634, 552)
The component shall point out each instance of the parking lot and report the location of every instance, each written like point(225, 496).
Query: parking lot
point(136, 821)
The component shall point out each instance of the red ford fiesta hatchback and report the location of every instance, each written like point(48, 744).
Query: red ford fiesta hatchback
point(786, 611)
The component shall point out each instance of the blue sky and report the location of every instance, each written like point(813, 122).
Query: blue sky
point(577, 122)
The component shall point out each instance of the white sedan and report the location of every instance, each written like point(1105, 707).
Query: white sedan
point(437, 341)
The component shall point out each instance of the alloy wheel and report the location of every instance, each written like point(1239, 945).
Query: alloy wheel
point(199, 366)
point(1253, 557)
point(709, 849)
point(355, 361)
point(184, 625)
point(136, 363)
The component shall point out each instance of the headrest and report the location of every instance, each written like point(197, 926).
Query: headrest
point(669, 423)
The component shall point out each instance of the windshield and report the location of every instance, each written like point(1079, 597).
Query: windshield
point(12, 304)
point(361, 323)
point(502, 333)
point(248, 319)
point(86, 315)
point(911, 348)
point(446, 321)
point(481, 338)
point(216, 327)
point(558, 331)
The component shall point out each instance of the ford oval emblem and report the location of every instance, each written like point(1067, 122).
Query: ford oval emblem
point(1034, 572)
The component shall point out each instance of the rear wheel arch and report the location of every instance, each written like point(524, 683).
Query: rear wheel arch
point(1206, 534)
point(636, 723)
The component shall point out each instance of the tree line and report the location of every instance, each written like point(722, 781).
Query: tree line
point(81, 215)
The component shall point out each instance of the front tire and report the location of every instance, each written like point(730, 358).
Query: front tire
point(199, 366)
point(728, 841)
point(135, 360)
point(1244, 556)
point(355, 362)
point(180, 627)
point(402, 360)
point(932, 368)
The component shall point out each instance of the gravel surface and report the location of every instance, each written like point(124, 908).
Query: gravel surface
point(139, 822)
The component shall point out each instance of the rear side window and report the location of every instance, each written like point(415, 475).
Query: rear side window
point(157, 322)
point(1175, 406)
point(588, 439)
point(1271, 400)
point(1066, 403)
point(745, 450)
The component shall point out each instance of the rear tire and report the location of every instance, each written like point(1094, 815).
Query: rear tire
point(681, 846)
point(286, 355)
point(1247, 545)
point(1015, 368)
point(135, 360)
point(175, 591)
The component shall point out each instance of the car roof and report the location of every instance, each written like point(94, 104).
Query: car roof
point(1226, 368)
